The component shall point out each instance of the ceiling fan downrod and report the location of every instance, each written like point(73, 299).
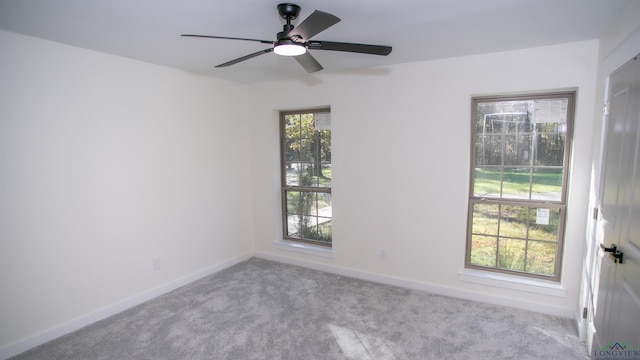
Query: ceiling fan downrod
point(288, 12)
point(285, 45)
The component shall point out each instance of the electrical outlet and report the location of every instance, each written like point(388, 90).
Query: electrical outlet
point(156, 264)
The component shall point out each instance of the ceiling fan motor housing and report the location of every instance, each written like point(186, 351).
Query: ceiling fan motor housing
point(288, 11)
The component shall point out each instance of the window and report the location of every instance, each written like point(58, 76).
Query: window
point(306, 175)
point(519, 161)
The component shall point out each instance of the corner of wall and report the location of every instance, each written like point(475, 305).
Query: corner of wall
point(112, 309)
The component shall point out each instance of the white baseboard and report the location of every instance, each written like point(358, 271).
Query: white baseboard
point(102, 313)
point(422, 286)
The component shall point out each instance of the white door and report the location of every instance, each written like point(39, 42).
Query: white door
point(616, 283)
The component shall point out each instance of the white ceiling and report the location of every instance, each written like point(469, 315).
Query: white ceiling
point(149, 30)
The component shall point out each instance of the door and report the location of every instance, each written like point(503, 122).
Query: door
point(615, 308)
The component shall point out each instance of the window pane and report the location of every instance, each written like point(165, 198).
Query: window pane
point(309, 215)
point(309, 203)
point(292, 173)
point(489, 150)
point(511, 254)
point(550, 119)
point(516, 182)
point(549, 148)
point(483, 250)
point(486, 182)
point(485, 219)
point(541, 257)
point(543, 223)
point(517, 150)
point(525, 126)
point(547, 184)
point(305, 150)
point(514, 221)
point(318, 175)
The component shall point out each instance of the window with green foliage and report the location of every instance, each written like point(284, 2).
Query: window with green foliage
point(519, 165)
point(306, 175)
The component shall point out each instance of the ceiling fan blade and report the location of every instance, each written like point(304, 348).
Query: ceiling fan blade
point(246, 57)
point(317, 22)
point(349, 47)
point(227, 38)
point(308, 62)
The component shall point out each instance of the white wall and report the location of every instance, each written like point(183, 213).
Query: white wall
point(105, 165)
point(401, 166)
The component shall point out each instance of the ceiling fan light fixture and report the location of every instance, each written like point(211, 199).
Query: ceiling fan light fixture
point(289, 48)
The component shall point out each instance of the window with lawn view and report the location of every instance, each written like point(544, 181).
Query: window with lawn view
point(520, 154)
point(306, 175)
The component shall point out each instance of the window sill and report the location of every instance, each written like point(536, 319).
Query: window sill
point(512, 282)
point(301, 248)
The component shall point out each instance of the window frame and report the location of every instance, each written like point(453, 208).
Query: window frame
point(284, 188)
point(560, 204)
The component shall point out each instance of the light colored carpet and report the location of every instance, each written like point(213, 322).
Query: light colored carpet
point(260, 309)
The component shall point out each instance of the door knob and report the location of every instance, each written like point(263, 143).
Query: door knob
point(616, 257)
point(611, 249)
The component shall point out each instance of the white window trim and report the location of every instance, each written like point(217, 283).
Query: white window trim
point(304, 248)
point(513, 282)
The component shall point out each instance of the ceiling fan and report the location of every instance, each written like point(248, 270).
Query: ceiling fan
point(295, 41)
